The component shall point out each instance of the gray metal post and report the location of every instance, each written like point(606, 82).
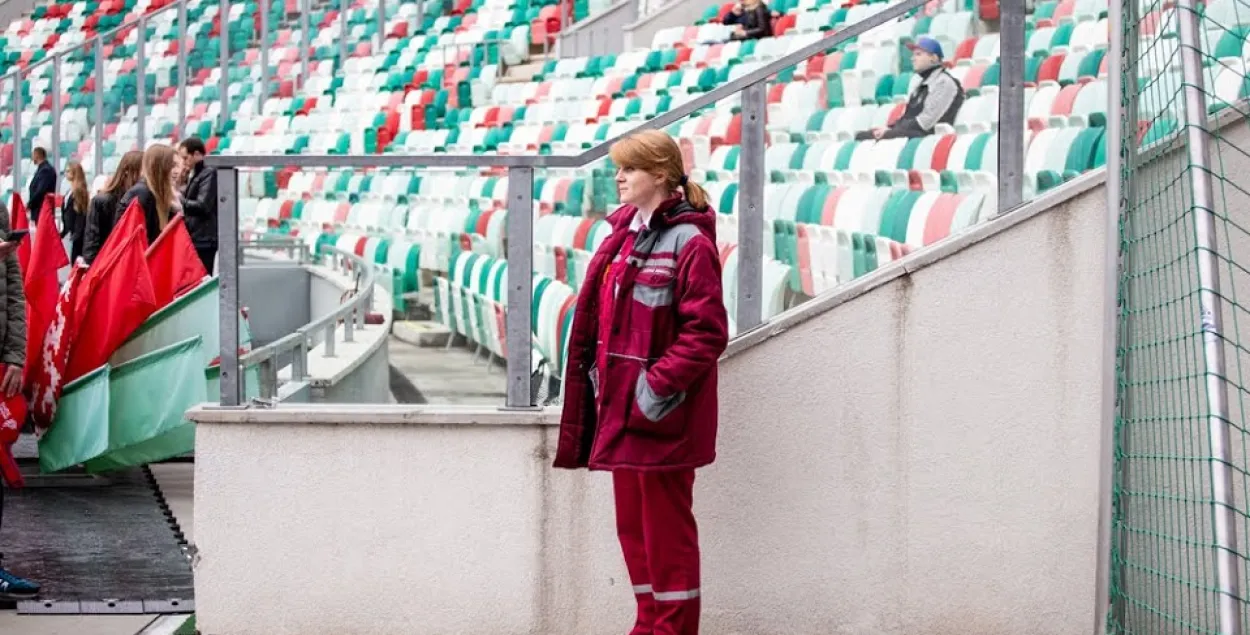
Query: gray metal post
point(381, 24)
point(228, 277)
point(420, 18)
point(18, 144)
point(343, 9)
point(223, 84)
point(751, 209)
point(1224, 515)
point(141, 91)
point(1011, 107)
point(56, 114)
point(1110, 314)
point(182, 69)
point(305, 41)
point(520, 284)
point(99, 106)
point(264, 57)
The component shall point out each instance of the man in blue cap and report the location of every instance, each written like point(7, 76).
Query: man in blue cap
point(936, 100)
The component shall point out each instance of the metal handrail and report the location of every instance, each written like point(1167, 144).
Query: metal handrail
point(752, 176)
point(351, 311)
point(599, 151)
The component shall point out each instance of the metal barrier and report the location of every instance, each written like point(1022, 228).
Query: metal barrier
point(752, 177)
point(351, 311)
point(16, 77)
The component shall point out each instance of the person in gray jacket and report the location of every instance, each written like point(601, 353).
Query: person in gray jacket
point(936, 100)
point(12, 360)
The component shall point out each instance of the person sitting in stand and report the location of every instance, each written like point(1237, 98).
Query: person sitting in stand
point(936, 100)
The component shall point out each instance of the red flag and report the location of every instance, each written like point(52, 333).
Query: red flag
point(41, 286)
point(12, 414)
point(46, 375)
point(18, 220)
point(131, 218)
point(115, 299)
point(174, 265)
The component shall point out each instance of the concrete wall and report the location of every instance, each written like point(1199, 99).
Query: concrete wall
point(600, 34)
point(277, 296)
point(918, 454)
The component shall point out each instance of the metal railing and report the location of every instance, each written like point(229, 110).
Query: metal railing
point(97, 42)
point(520, 169)
point(351, 312)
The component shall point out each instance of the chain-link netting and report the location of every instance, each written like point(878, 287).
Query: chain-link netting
point(1182, 360)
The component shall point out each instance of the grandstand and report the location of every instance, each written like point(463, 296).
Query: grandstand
point(835, 208)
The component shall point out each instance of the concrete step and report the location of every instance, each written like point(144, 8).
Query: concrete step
point(423, 333)
point(524, 72)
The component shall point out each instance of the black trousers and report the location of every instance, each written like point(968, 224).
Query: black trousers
point(207, 254)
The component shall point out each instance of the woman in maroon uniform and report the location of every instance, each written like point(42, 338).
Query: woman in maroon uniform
point(640, 399)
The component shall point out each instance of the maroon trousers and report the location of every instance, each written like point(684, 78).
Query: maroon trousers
point(660, 540)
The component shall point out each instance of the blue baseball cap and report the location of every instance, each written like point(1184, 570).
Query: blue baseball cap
point(928, 45)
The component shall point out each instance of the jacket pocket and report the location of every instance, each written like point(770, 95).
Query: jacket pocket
point(654, 414)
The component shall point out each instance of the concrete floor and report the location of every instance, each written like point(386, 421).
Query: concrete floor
point(175, 480)
point(444, 376)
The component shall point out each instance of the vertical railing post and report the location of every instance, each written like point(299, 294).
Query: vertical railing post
point(518, 326)
point(98, 134)
point(299, 359)
point(141, 90)
point(18, 145)
point(228, 278)
point(56, 114)
point(420, 18)
point(1108, 477)
point(264, 57)
point(343, 10)
point(223, 83)
point(1011, 107)
point(305, 41)
point(751, 209)
point(381, 24)
point(182, 69)
point(1206, 252)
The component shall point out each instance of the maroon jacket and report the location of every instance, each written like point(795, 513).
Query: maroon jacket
point(657, 407)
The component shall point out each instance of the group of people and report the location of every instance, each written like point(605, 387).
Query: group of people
point(165, 182)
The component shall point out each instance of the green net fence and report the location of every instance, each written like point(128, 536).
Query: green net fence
point(1180, 516)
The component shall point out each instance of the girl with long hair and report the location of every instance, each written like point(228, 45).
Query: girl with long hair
point(154, 191)
point(74, 211)
point(640, 395)
point(100, 219)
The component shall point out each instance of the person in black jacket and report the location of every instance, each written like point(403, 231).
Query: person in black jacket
point(74, 211)
point(752, 20)
point(41, 185)
point(100, 219)
point(154, 191)
point(199, 200)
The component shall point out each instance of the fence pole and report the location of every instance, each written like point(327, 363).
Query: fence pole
point(751, 209)
point(18, 145)
point(141, 90)
point(228, 278)
point(264, 57)
point(223, 83)
point(520, 285)
point(1228, 576)
point(305, 41)
point(343, 10)
point(182, 69)
point(381, 24)
point(99, 106)
point(56, 115)
point(1011, 107)
point(1111, 282)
